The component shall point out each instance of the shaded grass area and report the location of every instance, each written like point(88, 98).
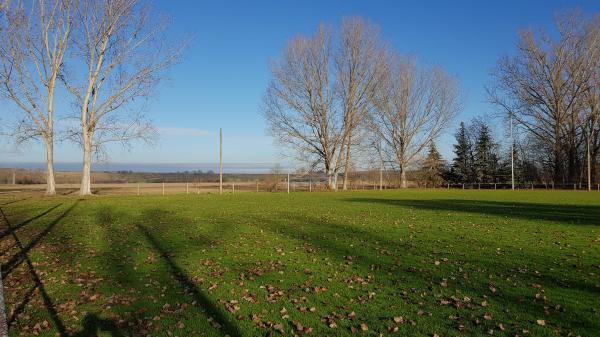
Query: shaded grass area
point(408, 263)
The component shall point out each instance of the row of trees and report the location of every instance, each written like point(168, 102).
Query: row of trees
point(479, 158)
point(551, 88)
point(339, 97)
point(336, 93)
point(106, 56)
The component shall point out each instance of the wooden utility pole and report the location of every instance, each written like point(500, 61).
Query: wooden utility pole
point(220, 160)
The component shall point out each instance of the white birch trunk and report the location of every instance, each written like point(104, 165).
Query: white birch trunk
point(86, 188)
point(331, 178)
point(403, 181)
point(50, 184)
point(346, 164)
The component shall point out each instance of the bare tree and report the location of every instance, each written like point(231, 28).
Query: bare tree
point(412, 110)
point(33, 45)
point(299, 103)
point(360, 69)
point(122, 53)
point(540, 88)
point(590, 101)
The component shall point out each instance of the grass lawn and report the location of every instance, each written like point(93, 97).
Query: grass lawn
point(406, 263)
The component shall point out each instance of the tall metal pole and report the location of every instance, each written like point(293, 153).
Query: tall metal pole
point(220, 160)
point(589, 165)
point(589, 157)
point(512, 153)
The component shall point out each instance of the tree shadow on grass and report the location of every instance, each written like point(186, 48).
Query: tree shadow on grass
point(14, 201)
point(18, 258)
point(13, 228)
point(92, 324)
point(332, 239)
point(117, 268)
point(567, 214)
point(188, 285)
point(23, 256)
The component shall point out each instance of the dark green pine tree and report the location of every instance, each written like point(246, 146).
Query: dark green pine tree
point(485, 158)
point(462, 163)
point(433, 167)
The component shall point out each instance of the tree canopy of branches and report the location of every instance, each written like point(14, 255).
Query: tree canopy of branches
point(34, 40)
point(321, 91)
point(413, 108)
point(122, 53)
point(299, 104)
point(546, 88)
point(360, 68)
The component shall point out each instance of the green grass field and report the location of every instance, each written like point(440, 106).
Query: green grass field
point(406, 263)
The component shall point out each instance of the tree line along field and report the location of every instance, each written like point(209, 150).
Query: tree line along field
point(406, 263)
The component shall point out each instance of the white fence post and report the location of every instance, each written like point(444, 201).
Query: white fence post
point(138, 189)
point(187, 188)
point(288, 183)
point(163, 188)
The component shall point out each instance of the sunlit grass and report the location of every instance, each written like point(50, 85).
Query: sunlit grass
point(416, 262)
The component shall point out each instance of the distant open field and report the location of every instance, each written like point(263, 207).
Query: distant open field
point(132, 188)
point(406, 263)
point(145, 188)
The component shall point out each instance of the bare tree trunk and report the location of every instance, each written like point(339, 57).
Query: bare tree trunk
point(347, 164)
point(403, 181)
point(335, 180)
point(87, 166)
point(50, 184)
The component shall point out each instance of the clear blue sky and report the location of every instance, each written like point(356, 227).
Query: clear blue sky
point(225, 71)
